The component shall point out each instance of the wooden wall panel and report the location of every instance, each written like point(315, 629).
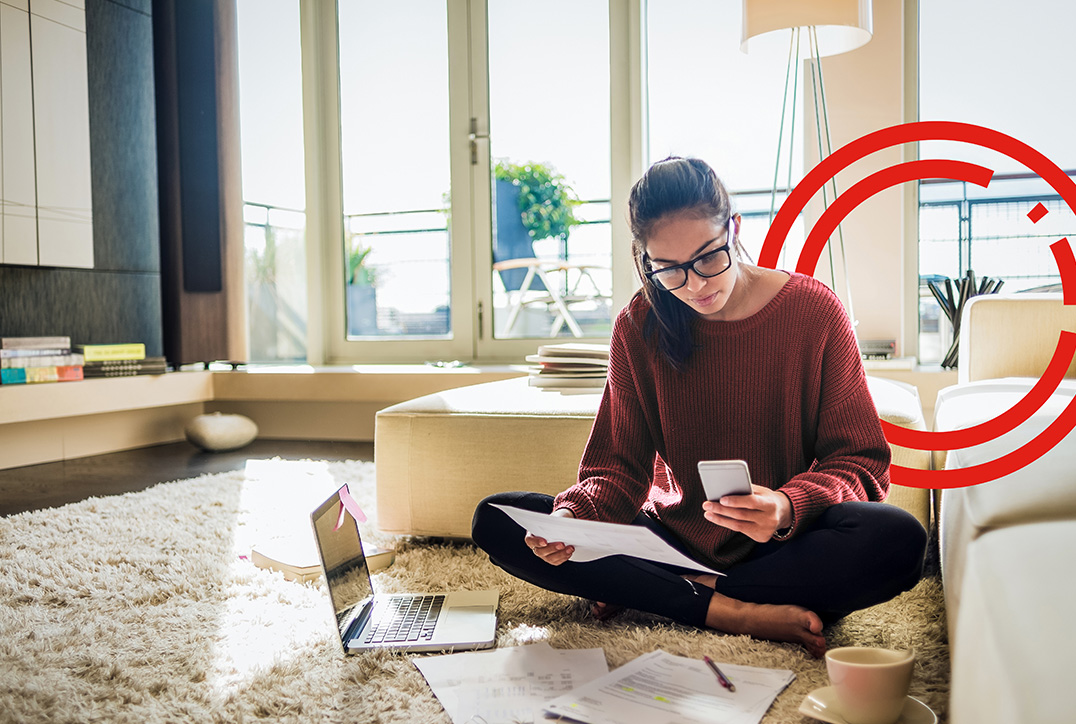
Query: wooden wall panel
point(201, 243)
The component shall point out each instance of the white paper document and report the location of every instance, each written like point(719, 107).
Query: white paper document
point(660, 688)
point(508, 685)
point(594, 539)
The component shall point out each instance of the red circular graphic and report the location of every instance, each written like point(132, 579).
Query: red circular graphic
point(1063, 255)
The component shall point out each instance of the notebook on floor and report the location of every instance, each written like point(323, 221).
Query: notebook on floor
point(404, 621)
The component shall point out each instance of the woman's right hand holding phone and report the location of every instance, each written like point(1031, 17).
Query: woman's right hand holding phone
point(552, 553)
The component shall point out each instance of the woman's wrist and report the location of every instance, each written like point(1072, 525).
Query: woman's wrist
point(786, 517)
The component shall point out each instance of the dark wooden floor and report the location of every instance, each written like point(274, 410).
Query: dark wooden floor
point(53, 484)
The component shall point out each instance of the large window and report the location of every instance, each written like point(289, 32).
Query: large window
point(459, 171)
point(997, 65)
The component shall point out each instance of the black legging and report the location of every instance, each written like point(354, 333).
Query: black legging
point(852, 556)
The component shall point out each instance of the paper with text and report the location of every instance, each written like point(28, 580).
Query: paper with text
point(660, 688)
point(594, 539)
point(507, 685)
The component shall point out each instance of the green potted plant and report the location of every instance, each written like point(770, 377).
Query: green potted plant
point(533, 202)
point(361, 292)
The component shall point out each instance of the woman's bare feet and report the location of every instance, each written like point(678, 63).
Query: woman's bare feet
point(764, 621)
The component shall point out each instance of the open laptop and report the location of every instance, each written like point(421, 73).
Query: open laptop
point(404, 621)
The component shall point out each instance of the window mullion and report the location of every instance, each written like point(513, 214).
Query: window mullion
point(628, 131)
point(324, 209)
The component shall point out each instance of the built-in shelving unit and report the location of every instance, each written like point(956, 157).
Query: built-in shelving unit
point(63, 420)
point(45, 188)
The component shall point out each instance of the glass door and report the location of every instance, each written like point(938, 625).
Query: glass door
point(474, 173)
point(548, 103)
point(395, 165)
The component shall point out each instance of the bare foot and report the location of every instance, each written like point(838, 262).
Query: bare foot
point(765, 621)
point(604, 611)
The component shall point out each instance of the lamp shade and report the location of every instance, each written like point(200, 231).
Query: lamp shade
point(841, 25)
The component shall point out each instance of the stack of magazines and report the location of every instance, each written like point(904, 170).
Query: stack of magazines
point(569, 365)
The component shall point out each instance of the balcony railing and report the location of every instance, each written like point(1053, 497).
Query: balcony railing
point(276, 279)
point(964, 227)
point(588, 243)
point(275, 272)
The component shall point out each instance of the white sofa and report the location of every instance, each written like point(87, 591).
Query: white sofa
point(1004, 543)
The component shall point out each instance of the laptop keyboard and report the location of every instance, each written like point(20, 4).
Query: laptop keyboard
point(406, 618)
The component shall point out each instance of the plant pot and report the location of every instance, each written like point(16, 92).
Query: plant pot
point(361, 310)
point(511, 239)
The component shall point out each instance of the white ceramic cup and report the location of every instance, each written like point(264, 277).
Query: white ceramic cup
point(871, 684)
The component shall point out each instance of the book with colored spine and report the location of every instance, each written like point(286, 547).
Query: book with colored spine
point(52, 360)
point(6, 354)
point(33, 375)
point(35, 342)
point(126, 368)
point(101, 352)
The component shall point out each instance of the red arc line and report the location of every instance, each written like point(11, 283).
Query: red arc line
point(965, 133)
point(1066, 264)
point(875, 183)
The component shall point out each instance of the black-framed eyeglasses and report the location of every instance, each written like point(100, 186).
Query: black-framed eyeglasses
point(705, 265)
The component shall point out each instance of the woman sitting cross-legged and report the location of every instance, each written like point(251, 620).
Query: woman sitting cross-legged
point(714, 359)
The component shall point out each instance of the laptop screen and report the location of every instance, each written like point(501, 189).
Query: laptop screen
point(346, 575)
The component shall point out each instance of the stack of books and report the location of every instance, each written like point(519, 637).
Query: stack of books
point(120, 360)
point(570, 365)
point(296, 557)
point(25, 360)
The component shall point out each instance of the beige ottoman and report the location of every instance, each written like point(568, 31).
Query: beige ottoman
point(437, 456)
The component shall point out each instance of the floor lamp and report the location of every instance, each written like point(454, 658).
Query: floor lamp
point(815, 28)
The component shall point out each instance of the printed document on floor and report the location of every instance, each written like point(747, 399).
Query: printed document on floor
point(660, 688)
point(510, 684)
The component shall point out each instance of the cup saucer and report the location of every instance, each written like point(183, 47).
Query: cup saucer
point(822, 704)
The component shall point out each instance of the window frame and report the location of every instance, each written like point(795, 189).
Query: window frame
point(471, 277)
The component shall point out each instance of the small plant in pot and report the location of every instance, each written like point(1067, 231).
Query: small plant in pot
point(361, 292)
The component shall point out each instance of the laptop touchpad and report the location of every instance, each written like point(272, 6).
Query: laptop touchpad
point(467, 623)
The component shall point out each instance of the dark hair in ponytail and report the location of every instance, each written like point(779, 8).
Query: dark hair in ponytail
point(673, 186)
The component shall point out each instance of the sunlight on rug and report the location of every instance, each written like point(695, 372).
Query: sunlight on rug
point(145, 608)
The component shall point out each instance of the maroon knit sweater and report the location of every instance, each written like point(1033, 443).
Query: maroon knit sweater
point(783, 389)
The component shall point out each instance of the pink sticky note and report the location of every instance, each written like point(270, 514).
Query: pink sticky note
point(347, 503)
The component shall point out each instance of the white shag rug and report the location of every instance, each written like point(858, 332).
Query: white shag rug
point(143, 607)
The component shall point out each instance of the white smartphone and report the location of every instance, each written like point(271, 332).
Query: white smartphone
point(724, 477)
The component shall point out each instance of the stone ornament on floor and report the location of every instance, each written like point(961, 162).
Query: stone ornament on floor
point(218, 432)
